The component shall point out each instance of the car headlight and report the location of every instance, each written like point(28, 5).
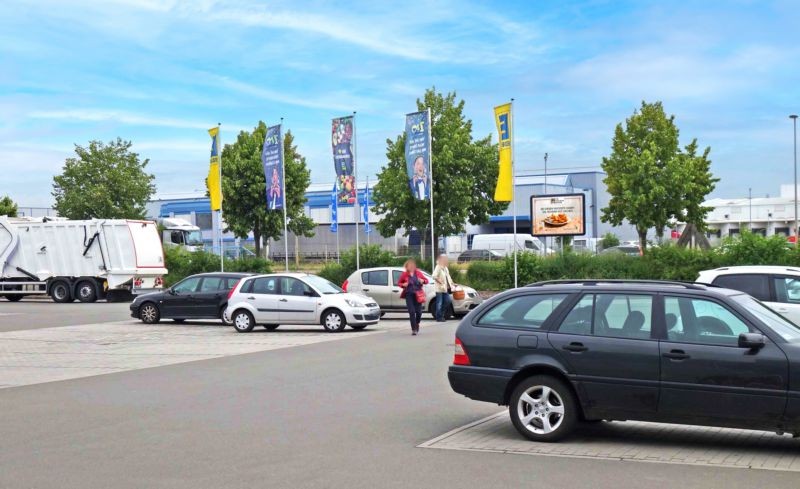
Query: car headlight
point(353, 303)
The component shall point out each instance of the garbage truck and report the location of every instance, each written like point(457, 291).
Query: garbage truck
point(82, 260)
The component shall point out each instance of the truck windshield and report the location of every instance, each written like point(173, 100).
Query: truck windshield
point(193, 238)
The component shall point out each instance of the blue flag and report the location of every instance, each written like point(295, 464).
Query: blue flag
point(334, 210)
point(365, 207)
point(272, 160)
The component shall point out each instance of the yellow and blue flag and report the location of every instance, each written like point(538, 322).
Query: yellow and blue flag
point(504, 192)
point(214, 181)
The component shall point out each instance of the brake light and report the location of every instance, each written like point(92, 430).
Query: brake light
point(344, 286)
point(460, 357)
point(233, 289)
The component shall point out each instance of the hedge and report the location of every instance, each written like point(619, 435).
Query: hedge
point(370, 256)
point(182, 263)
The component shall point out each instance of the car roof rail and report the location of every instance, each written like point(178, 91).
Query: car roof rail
point(688, 285)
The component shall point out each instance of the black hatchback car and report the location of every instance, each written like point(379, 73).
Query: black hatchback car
point(202, 296)
point(557, 353)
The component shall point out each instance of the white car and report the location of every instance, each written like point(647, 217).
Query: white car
point(381, 285)
point(776, 286)
point(297, 298)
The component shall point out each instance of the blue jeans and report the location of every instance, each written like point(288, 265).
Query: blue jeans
point(443, 301)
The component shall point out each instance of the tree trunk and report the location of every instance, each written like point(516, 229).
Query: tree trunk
point(257, 239)
point(642, 239)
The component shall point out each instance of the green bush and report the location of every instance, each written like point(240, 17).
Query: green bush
point(334, 272)
point(486, 275)
point(181, 263)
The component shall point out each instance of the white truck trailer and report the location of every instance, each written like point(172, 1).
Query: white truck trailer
point(83, 260)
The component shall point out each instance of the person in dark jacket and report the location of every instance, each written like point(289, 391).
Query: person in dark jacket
point(411, 281)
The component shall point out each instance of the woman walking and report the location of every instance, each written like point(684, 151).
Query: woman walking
point(444, 287)
point(411, 281)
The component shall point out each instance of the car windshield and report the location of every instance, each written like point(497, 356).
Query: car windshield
point(193, 238)
point(322, 285)
point(785, 328)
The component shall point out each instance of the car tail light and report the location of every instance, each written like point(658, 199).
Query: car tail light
point(233, 289)
point(344, 286)
point(460, 357)
point(159, 282)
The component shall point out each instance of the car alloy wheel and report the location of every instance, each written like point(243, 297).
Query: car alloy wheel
point(541, 409)
point(333, 321)
point(243, 322)
point(149, 313)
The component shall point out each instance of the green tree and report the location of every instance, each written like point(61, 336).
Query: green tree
point(650, 179)
point(464, 176)
point(8, 207)
point(609, 240)
point(244, 205)
point(104, 181)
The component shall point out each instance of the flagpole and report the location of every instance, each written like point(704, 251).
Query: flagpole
point(357, 207)
point(430, 174)
point(285, 227)
point(514, 191)
point(366, 204)
point(219, 212)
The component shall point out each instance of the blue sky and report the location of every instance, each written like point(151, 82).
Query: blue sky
point(160, 72)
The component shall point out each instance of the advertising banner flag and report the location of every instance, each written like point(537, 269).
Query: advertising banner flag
point(213, 181)
point(504, 192)
point(334, 209)
point(418, 154)
point(342, 144)
point(365, 208)
point(272, 160)
point(558, 215)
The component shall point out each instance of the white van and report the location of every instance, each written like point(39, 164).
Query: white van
point(504, 243)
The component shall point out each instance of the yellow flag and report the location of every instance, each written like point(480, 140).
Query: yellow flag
point(214, 180)
point(504, 192)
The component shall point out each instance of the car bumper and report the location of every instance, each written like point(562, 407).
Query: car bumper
point(363, 315)
point(480, 384)
point(466, 305)
point(134, 308)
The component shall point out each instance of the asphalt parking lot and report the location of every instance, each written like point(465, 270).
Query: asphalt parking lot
point(92, 398)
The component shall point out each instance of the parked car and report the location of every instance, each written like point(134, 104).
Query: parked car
point(297, 298)
point(561, 352)
point(381, 285)
point(478, 255)
point(504, 243)
point(202, 296)
point(777, 287)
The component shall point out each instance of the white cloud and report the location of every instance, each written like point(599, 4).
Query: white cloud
point(122, 117)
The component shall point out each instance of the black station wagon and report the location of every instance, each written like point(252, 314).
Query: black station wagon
point(557, 353)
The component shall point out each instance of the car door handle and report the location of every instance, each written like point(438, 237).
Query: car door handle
point(365, 289)
point(676, 355)
point(284, 300)
point(251, 298)
point(395, 290)
point(575, 347)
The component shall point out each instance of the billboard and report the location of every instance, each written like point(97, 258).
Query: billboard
point(272, 161)
point(558, 215)
point(418, 154)
point(342, 144)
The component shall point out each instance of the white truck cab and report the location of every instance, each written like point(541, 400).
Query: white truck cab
point(180, 232)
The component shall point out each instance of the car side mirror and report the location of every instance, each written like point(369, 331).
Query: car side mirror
point(753, 341)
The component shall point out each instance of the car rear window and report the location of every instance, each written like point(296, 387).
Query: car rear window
point(526, 311)
point(750, 283)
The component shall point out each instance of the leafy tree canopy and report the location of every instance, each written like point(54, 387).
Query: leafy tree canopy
point(244, 206)
point(105, 180)
point(8, 207)
point(464, 175)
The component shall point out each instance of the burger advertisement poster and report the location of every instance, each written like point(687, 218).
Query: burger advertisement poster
point(558, 215)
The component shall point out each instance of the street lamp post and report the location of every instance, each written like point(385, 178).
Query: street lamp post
point(750, 204)
point(796, 220)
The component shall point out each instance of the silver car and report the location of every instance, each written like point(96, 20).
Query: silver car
point(380, 284)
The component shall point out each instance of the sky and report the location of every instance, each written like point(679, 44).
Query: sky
point(161, 72)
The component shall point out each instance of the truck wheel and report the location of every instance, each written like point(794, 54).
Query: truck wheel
point(87, 291)
point(59, 292)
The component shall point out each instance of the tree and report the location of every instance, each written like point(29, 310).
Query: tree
point(650, 180)
point(609, 240)
point(244, 206)
point(8, 207)
point(464, 176)
point(104, 181)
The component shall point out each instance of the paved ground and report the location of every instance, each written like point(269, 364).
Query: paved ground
point(634, 441)
point(346, 413)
